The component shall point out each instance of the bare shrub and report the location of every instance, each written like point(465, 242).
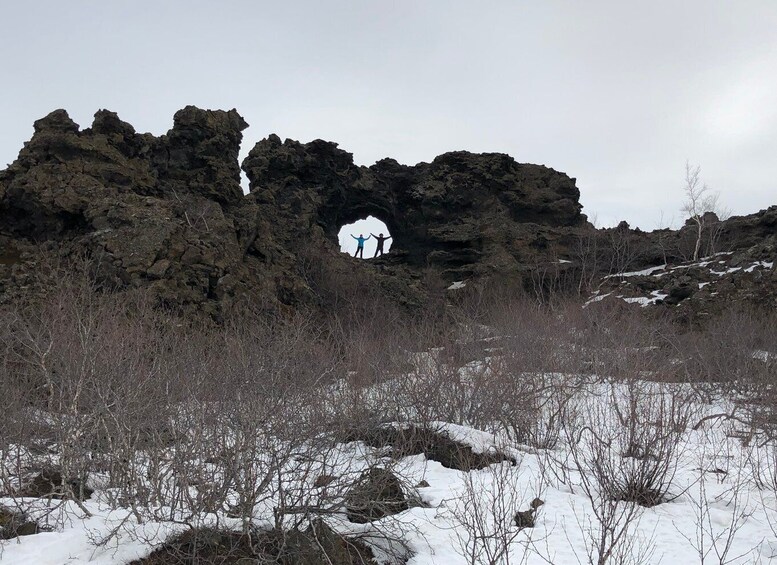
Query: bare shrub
point(487, 517)
point(623, 459)
point(653, 419)
point(720, 485)
point(734, 358)
point(614, 340)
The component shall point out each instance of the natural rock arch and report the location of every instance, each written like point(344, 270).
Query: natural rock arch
point(167, 212)
point(452, 213)
point(352, 213)
point(373, 226)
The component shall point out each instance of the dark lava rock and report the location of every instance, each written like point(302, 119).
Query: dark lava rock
point(434, 444)
point(14, 524)
point(50, 484)
point(167, 214)
point(678, 293)
point(459, 212)
point(526, 518)
point(378, 493)
point(699, 290)
point(317, 545)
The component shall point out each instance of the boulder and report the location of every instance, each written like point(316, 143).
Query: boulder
point(14, 523)
point(376, 494)
point(49, 483)
point(434, 444)
point(526, 518)
point(319, 544)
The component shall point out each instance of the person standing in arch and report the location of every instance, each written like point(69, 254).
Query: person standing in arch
point(380, 239)
point(360, 245)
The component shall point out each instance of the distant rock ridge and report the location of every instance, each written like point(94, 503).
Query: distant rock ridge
point(738, 268)
point(167, 214)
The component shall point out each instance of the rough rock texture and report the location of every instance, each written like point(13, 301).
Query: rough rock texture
point(742, 273)
point(464, 213)
point(168, 214)
point(14, 523)
point(318, 544)
point(49, 483)
point(378, 493)
point(165, 213)
point(434, 444)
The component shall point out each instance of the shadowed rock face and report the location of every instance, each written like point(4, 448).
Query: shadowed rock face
point(167, 213)
point(161, 212)
point(457, 212)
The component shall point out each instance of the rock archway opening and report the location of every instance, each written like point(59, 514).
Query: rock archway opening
point(370, 228)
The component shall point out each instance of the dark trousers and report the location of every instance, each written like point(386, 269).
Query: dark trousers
point(359, 252)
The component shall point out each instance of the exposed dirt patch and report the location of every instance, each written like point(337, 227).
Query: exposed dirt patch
point(317, 545)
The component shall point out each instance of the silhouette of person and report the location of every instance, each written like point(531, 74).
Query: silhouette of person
point(380, 239)
point(360, 245)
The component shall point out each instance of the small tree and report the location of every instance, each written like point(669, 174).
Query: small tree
point(699, 200)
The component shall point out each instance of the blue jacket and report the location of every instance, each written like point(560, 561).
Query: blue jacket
point(360, 240)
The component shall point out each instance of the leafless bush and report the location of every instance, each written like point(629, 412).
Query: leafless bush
point(623, 459)
point(720, 486)
point(652, 419)
point(256, 423)
point(734, 358)
point(490, 516)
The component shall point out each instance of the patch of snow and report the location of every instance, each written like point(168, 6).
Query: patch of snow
point(642, 273)
point(596, 298)
point(726, 272)
point(457, 285)
point(763, 264)
point(433, 533)
point(643, 301)
point(764, 356)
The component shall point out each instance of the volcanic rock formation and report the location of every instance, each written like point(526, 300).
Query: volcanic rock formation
point(168, 214)
point(738, 267)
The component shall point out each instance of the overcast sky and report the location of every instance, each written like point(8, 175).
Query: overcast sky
point(617, 94)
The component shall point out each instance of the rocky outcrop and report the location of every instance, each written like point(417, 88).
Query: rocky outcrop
point(464, 213)
point(318, 544)
point(168, 213)
point(15, 523)
point(376, 494)
point(165, 213)
point(435, 444)
point(743, 274)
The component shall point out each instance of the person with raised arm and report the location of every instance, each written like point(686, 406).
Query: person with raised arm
point(360, 245)
point(380, 239)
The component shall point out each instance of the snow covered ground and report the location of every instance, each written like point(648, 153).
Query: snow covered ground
point(719, 501)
